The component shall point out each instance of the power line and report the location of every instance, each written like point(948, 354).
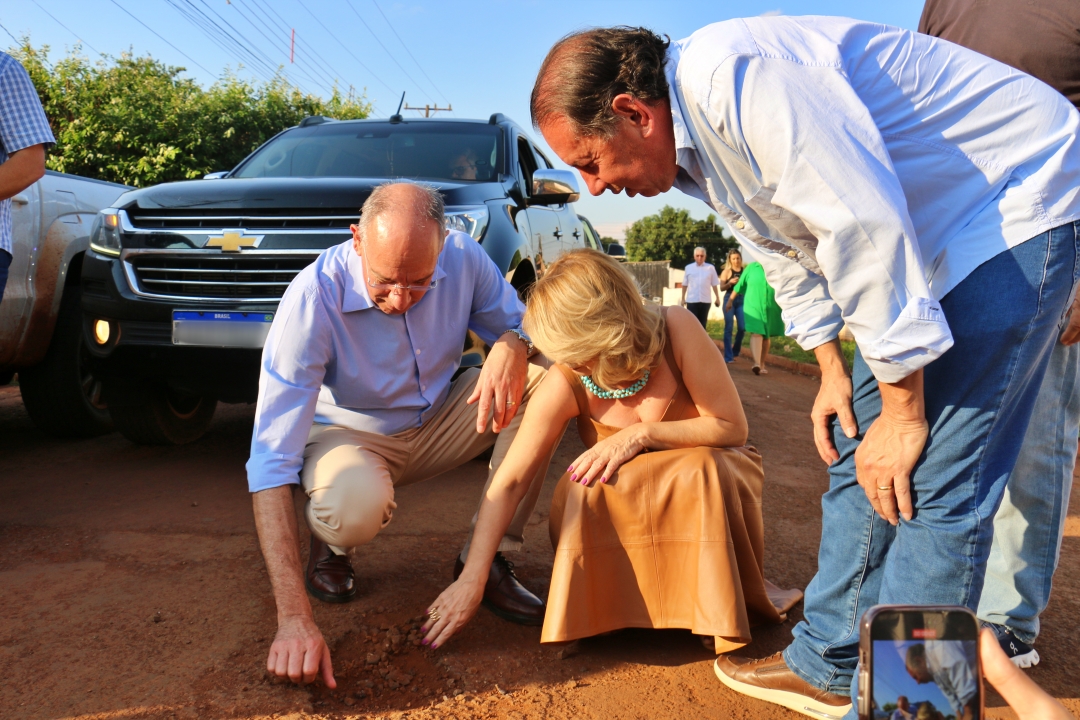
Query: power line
point(77, 37)
point(331, 34)
point(376, 4)
point(310, 68)
point(248, 46)
point(243, 14)
point(162, 39)
point(319, 62)
point(219, 36)
point(286, 27)
point(388, 54)
point(10, 35)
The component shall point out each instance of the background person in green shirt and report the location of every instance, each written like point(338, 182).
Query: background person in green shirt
point(762, 314)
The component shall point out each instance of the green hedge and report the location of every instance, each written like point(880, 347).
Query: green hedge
point(135, 120)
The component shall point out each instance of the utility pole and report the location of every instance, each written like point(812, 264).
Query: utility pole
point(292, 45)
point(428, 109)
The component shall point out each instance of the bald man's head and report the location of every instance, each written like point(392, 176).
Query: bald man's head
point(399, 237)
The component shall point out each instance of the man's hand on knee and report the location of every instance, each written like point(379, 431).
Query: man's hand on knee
point(299, 652)
point(502, 383)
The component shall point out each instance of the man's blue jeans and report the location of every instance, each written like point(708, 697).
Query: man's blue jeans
point(1030, 523)
point(1005, 318)
point(735, 313)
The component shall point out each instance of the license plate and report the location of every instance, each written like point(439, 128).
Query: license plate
point(221, 329)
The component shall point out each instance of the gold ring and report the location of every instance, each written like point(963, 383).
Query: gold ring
point(884, 487)
point(510, 402)
point(434, 614)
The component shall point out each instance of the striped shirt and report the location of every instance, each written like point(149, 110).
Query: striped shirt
point(22, 124)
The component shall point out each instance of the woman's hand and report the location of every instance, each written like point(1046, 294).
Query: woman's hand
point(452, 610)
point(1021, 693)
point(602, 460)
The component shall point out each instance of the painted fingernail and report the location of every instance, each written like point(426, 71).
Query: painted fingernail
point(603, 480)
point(433, 646)
point(573, 477)
point(570, 469)
point(424, 642)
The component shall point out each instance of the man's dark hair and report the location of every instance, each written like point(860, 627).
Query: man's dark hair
point(585, 70)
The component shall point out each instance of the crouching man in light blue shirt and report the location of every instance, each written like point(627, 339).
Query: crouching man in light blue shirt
point(357, 396)
point(924, 195)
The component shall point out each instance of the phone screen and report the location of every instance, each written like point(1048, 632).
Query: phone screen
point(925, 666)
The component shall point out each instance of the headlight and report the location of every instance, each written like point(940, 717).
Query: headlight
point(472, 220)
point(105, 235)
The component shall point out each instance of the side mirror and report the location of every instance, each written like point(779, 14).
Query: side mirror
point(554, 187)
point(215, 175)
point(616, 250)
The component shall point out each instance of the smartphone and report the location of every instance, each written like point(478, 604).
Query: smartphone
point(919, 662)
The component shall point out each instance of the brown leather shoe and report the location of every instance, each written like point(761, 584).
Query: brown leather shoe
point(772, 680)
point(329, 576)
point(505, 596)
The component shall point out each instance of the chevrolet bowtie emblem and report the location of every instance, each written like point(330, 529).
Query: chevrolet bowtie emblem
point(233, 240)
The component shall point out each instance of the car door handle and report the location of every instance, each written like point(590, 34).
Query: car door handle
point(576, 234)
point(20, 199)
point(558, 233)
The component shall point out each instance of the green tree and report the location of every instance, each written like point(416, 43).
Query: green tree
point(135, 120)
point(672, 235)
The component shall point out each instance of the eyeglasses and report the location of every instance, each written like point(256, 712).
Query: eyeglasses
point(389, 287)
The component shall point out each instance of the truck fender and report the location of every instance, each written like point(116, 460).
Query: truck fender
point(67, 238)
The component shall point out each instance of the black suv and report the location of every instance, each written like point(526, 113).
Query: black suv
point(183, 279)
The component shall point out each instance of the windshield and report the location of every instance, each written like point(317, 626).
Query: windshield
point(454, 152)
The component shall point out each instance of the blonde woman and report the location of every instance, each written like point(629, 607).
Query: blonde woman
point(658, 523)
point(733, 304)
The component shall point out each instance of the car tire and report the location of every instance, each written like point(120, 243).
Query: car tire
point(61, 393)
point(152, 413)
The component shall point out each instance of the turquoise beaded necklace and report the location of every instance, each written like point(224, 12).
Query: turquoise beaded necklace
point(614, 394)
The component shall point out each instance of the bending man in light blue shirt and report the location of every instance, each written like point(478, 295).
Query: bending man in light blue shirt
point(924, 195)
point(357, 396)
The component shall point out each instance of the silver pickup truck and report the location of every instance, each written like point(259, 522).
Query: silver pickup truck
point(40, 316)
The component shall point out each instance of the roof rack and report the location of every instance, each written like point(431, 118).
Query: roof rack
point(314, 120)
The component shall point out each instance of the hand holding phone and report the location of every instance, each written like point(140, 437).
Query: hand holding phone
point(1029, 700)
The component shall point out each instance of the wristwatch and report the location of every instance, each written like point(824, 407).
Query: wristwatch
point(529, 347)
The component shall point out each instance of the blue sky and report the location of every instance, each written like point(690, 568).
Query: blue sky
point(891, 678)
point(481, 56)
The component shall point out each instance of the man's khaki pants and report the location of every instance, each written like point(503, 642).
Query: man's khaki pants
point(350, 475)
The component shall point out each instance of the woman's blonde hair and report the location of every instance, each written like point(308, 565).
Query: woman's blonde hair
point(587, 308)
point(727, 258)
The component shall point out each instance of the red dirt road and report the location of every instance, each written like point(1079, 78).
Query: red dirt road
point(131, 586)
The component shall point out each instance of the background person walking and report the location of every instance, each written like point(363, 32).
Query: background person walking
point(699, 278)
point(762, 314)
point(733, 311)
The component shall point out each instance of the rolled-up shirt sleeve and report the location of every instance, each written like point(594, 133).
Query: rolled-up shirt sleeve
point(820, 157)
point(811, 317)
point(496, 307)
point(294, 360)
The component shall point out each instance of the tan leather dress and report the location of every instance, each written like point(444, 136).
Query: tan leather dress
point(674, 540)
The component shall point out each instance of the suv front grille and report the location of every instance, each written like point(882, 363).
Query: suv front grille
point(264, 220)
point(218, 278)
